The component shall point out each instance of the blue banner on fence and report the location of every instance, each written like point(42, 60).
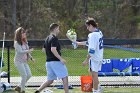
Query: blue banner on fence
point(132, 64)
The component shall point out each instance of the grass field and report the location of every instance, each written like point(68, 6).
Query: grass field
point(74, 60)
point(74, 64)
point(78, 90)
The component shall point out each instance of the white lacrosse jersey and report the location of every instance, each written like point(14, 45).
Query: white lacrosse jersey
point(95, 44)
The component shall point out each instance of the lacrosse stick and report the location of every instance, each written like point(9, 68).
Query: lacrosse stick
point(2, 55)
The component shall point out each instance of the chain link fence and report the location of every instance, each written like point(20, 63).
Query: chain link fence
point(74, 63)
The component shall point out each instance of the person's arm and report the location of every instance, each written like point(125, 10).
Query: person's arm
point(92, 44)
point(82, 43)
point(30, 56)
point(43, 49)
point(86, 61)
point(54, 51)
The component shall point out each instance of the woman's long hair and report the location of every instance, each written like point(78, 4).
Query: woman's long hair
point(18, 36)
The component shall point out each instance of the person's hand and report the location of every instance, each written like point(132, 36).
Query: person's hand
point(85, 62)
point(43, 50)
point(89, 71)
point(30, 50)
point(74, 44)
point(33, 60)
point(63, 61)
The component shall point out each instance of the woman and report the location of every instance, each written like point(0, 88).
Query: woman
point(22, 55)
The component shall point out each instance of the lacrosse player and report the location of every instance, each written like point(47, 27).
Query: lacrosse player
point(95, 52)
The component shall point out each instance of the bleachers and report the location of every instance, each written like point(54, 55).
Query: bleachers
point(120, 67)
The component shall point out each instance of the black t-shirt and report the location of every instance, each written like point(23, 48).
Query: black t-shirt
point(52, 41)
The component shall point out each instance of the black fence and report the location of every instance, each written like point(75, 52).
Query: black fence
point(38, 43)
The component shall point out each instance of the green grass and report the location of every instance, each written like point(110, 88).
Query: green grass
point(78, 90)
point(74, 60)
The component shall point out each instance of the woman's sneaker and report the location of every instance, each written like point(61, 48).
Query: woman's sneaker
point(18, 89)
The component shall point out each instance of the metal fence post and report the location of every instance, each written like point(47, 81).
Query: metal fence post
point(8, 60)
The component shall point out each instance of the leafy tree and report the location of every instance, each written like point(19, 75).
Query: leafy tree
point(116, 18)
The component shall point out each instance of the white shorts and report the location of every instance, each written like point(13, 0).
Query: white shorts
point(56, 69)
point(95, 65)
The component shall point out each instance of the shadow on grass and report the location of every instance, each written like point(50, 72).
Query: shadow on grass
point(10, 91)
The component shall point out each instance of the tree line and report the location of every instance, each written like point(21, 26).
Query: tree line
point(116, 18)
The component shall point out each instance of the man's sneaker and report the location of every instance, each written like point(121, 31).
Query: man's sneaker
point(95, 91)
point(100, 89)
point(47, 91)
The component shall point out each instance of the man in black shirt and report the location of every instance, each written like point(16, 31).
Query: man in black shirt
point(55, 64)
